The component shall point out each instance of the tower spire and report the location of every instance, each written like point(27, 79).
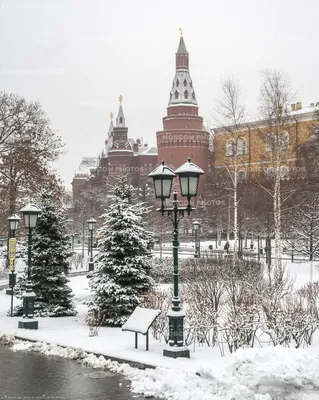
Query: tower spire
point(182, 91)
point(111, 125)
point(120, 120)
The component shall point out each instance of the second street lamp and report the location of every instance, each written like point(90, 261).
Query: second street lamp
point(196, 226)
point(13, 225)
point(163, 176)
point(91, 224)
point(30, 213)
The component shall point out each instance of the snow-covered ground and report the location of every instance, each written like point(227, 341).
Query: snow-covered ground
point(259, 373)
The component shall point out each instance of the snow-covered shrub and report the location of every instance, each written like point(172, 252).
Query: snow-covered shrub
point(309, 295)
point(76, 261)
point(159, 299)
point(95, 320)
point(239, 326)
point(162, 269)
point(291, 323)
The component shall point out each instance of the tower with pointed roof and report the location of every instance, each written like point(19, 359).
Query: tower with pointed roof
point(183, 133)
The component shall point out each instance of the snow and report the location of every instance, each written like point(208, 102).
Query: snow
point(140, 320)
point(269, 373)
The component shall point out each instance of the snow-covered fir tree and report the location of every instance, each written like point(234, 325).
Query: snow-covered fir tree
point(123, 262)
point(50, 263)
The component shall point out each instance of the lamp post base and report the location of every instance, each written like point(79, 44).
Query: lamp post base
point(91, 266)
point(175, 352)
point(28, 324)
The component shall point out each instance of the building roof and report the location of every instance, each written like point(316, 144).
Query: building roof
point(120, 120)
point(302, 114)
point(181, 46)
point(86, 164)
point(147, 151)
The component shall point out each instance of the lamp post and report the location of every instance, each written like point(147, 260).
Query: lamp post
point(196, 226)
point(91, 224)
point(30, 213)
point(13, 225)
point(163, 176)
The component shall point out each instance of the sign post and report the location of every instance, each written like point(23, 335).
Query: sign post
point(12, 275)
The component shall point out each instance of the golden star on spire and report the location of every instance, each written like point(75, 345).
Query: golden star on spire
point(111, 116)
point(120, 99)
point(181, 31)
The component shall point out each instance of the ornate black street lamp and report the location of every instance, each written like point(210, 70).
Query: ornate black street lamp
point(91, 224)
point(196, 226)
point(13, 226)
point(30, 213)
point(163, 176)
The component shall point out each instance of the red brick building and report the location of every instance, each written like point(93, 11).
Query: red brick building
point(120, 154)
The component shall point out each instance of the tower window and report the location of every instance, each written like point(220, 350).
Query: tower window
point(193, 95)
point(185, 82)
point(186, 94)
point(121, 120)
point(191, 84)
point(176, 95)
point(177, 83)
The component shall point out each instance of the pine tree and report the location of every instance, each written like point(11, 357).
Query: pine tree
point(123, 262)
point(50, 263)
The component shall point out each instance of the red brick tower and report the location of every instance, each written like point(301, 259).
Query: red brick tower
point(183, 133)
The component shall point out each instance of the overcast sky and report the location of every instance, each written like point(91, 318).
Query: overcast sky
point(76, 57)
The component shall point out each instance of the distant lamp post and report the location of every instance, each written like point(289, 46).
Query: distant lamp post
point(13, 226)
point(163, 176)
point(196, 227)
point(30, 213)
point(91, 225)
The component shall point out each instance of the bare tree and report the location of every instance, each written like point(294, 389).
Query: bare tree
point(276, 95)
point(231, 114)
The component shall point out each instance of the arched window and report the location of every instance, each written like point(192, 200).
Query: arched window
point(121, 120)
point(177, 83)
point(270, 142)
point(284, 141)
point(186, 94)
point(176, 94)
point(185, 82)
point(230, 147)
point(241, 147)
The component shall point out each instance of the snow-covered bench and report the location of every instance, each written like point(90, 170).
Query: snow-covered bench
point(140, 322)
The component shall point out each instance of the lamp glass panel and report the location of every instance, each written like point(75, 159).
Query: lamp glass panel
point(91, 225)
point(183, 180)
point(193, 184)
point(13, 224)
point(27, 220)
point(167, 187)
point(33, 220)
point(158, 188)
